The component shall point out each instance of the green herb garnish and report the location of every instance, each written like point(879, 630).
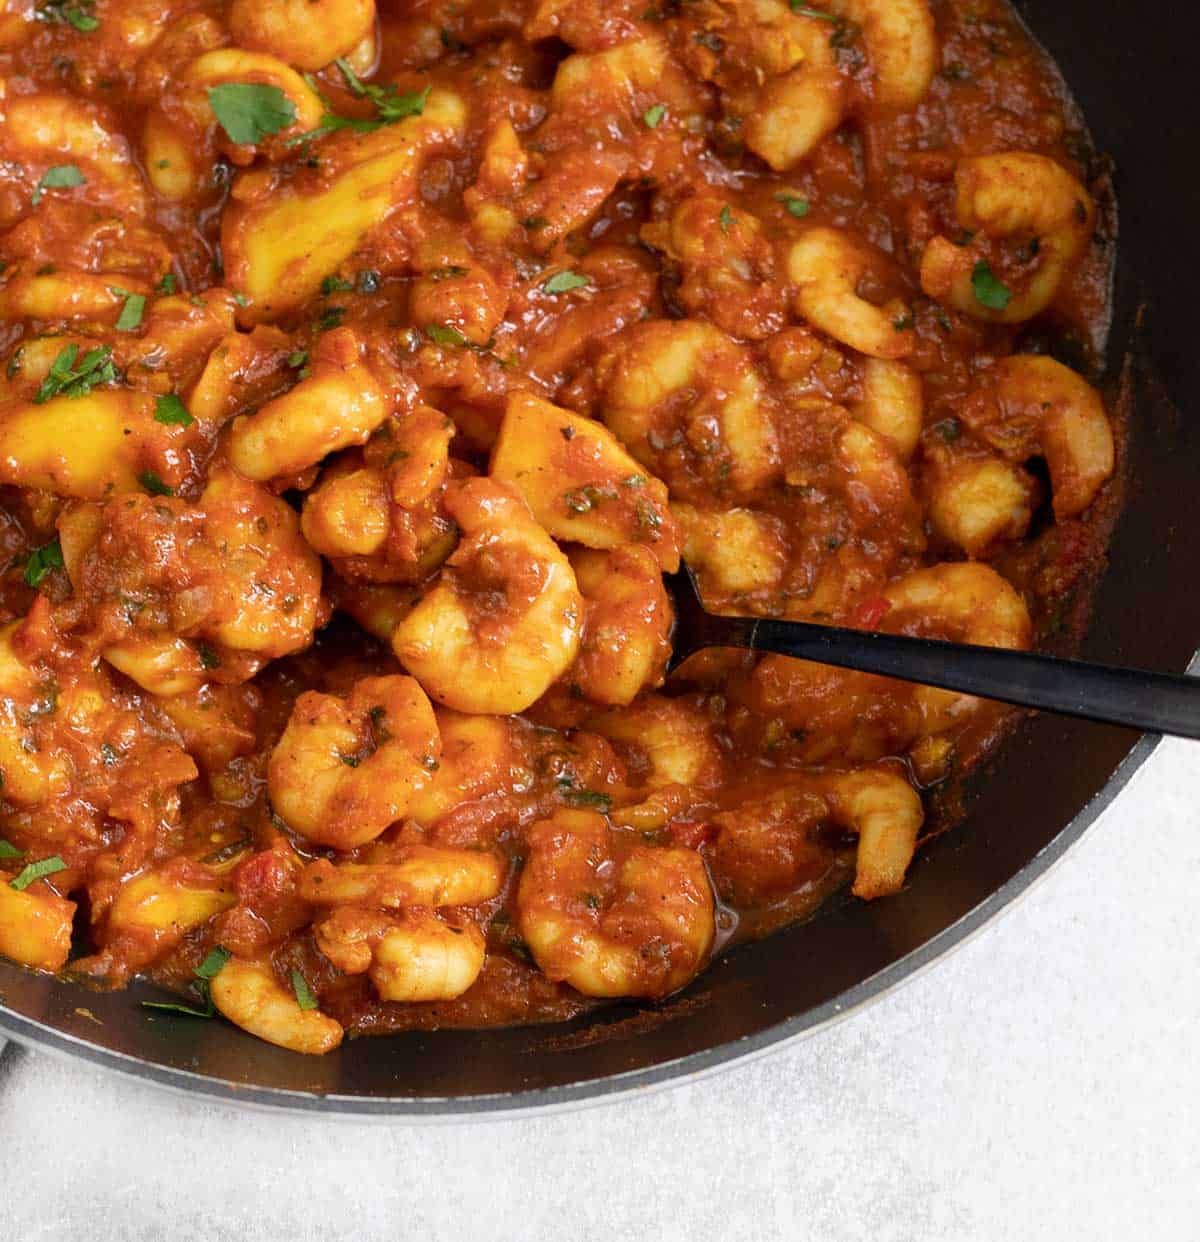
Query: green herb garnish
point(653, 116)
point(565, 281)
point(130, 317)
point(154, 485)
point(60, 177)
point(65, 379)
point(208, 969)
point(42, 561)
point(78, 14)
point(796, 205)
point(304, 994)
point(588, 797)
point(170, 410)
point(8, 850)
point(248, 112)
point(35, 871)
point(443, 334)
point(990, 291)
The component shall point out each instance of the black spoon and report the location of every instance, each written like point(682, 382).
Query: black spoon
point(1156, 702)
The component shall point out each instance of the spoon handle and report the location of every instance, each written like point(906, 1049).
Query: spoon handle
point(1157, 702)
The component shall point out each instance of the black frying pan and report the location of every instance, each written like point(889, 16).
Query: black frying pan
point(1133, 74)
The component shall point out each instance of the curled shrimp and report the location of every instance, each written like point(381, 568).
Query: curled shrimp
point(346, 768)
point(250, 996)
point(689, 404)
point(306, 33)
point(962, 602)
point(609, 917)
point(765, 846)
point(417, 955)
point(1018, 197)
point(826, 265)
point(901, 46)
point(504, 620)
point(1031, 406)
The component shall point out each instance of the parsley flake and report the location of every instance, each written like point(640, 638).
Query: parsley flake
point(79, 14)
point(443, 334)
point(796, 205)
point(725, 219)
point(8, 850)
point(653, 116)
point(154, 485)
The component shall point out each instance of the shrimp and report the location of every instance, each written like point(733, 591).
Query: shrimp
point(892, 404)
point(1015, 197)
point(416, 955)
point(962, 602)
point(778, 72)
point(1031, 406)
point(413, 875)
point(610, 917)
point(306, 33)
point(504, 620)
point(346, 768)
point(901, 44)
point(250, 996)
point(180, 138)
point(689, 403)
point(764, 846)
point(827, 265)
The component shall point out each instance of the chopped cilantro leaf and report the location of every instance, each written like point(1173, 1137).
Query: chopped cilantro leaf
point(443, 334)
point(565, 281)
point(67, 380)
point(130, 317)
point(168, 284)
point(42, 561)
point(79, 14)
point(208, 969)
point(796, 205)
point(170, 410)
point(37, 871)
point(8, 850)
point(250, 111)
point(304, 994)
point(154, 485)
point(59, 177)
point(213, 963)
point(990, 291)
point(335, 284)
point(588, 797)
point(653, 116)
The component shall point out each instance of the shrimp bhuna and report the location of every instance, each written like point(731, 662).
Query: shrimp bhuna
point(365, 368)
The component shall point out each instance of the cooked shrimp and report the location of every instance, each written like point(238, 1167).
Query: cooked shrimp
point(609, 917)
point(346, 768)
point(504, 620)
point(827, 265)
point(901, 44)
point(250, 996)
point(1031, 406)
point(1015, 197)
point(413, 875)
point(414, 956)
point(689, 403)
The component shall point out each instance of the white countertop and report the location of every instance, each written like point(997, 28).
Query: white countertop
point(1043, 1082)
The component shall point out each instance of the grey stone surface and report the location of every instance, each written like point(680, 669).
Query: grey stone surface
point(1042, 1083)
